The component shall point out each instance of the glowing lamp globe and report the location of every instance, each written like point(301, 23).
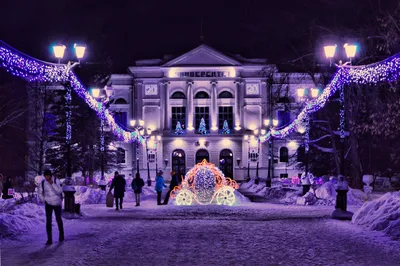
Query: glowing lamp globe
point(330, 51)
point(59, 51)
point(79, 50)
point(350, 49)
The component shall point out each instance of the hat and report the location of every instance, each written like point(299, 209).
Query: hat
point(47, 172)
point(160, 172)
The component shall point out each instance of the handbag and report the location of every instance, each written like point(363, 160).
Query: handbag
point(110, 200)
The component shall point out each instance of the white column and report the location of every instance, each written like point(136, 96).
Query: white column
point(189, 104)
point(214, 107)
point(167, 109)
point(237, 104)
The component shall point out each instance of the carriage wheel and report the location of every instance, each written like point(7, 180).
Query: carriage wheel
point(225, 196)
point(184, 197)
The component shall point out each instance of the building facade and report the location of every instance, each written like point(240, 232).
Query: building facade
point(207, 105)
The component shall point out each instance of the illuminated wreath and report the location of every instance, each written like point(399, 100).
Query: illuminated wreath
point(204, 183)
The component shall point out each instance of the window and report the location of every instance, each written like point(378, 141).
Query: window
point(225, 94)
point(201, 155)
point(152, 157)
point(283, 118)
point(178, 95)
point(202, 112)
point(178, 115)
point(284, 175)
point(284, 155)
point(120, 101)
point(202, 95)
point(120, 155)
point(301, 154)
point(121, 118)
point(225, 113)
point(253, 155)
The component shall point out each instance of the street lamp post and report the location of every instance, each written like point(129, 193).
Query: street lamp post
point(246, 137)
point(267, 123)
point(156, 139)
point(68, 189)
point(137, 128)
point(105, 98)
point(342, 186)
point(257, 135)
point(305, 95)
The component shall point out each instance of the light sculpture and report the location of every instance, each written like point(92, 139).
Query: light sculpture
point(205, 183)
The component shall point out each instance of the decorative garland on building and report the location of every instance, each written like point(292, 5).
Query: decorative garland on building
point(31, 69)
point(35, 70)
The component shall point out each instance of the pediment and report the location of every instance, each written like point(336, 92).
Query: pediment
point(203, 55)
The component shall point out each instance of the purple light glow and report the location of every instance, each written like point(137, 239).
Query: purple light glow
point(31, 69)
point(34, 70)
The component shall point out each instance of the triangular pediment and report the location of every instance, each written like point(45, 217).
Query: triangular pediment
point(203, 55)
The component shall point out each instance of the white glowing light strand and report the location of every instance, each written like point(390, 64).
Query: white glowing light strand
point(307, 135)
point(68, 100)
point(341, 113)
point(32, 69)
point(102, 134)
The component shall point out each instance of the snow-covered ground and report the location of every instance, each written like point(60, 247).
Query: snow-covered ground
point(244, 234)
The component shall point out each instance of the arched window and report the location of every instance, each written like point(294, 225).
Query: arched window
point(301, 154)
point(201, 155)
point(120, 155)
point(225, 94)
point(178, 95)
point(202, 95)
point(284, 155)
point(120, 101)
point(226, 162)
point(179, 162)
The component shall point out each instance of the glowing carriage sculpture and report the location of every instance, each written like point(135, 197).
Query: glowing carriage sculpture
point(205, 183)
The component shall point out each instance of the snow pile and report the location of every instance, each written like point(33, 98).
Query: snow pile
point(250, 186)
point(382, 214)
point(88, 195)
point(16, 218)
point(240, 198)
point(324, 195)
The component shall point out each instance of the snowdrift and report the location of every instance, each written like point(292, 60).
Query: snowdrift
point(382, 214)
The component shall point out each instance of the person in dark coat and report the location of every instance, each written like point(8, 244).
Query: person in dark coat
point(118, 184)
point(137, 185)
point(6, 186)
point(174, 183)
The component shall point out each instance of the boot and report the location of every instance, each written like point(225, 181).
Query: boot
point(49, 242)
point(61, 237)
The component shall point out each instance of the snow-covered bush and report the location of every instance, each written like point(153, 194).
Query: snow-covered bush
point(382, 214)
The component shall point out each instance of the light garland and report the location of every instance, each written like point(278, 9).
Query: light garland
point(31, 69)
point(307, 135)
point(385, 71)
point(204, 183)
point(34, 70)
point(68, 100)
point(341, 113)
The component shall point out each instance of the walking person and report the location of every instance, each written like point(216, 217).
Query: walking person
point(118, 184)
point(159, 186)
point(50, 192)
point(137, 184)
point(174, 183)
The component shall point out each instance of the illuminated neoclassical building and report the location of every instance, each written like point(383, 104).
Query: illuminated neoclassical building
point(205, 89)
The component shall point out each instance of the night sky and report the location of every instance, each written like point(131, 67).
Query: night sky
point(125, 31)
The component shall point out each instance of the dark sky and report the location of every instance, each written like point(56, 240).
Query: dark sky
point(138, 29)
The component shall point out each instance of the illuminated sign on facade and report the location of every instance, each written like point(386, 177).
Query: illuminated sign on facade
point(204, 74)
